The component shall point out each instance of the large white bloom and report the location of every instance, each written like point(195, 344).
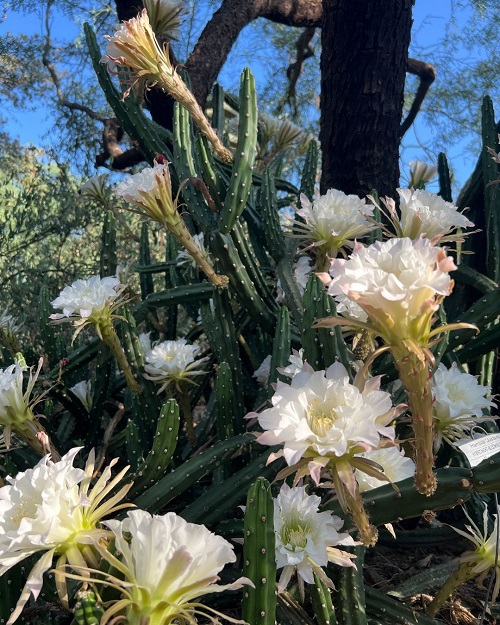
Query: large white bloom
point(396, 467)
point(52, 509)
point(399, 284)
point(306, 538)
point(427, 214)
point(459, 401)
point(172, 362)
point(333, 220)
point(167, 564)
point(87, 298)
point(320, 414)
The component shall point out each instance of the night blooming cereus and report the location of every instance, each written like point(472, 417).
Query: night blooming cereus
point(166, 564)
point(331, 224)
point(134, 46)
point(94, 302)
point(52, 510)
point(151, 191)
point(323, 423)
point(306, 539)
point(459, 401)
point(400, 285)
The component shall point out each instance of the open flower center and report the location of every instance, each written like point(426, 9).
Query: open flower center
point(294, 535)
point(457, 393)
point(321, 417)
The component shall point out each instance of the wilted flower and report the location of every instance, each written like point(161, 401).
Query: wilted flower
point(459, 401)
point(421, 173)
point(167, 564)
point(52, 509)
point(427, 214)
point(396, 467)
point(494, 155)
point(83, 390)
point(333, 221)
point(323, 421)
point(306, 539)
point(96, 188)
point(262, 373)
point(165, 17)
point(151, 191)
point(173, 362)
point(134, 46)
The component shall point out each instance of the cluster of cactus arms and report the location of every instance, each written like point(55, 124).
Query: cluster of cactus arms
point(193, 448)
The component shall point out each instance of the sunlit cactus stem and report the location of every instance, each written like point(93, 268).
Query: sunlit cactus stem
point(415, 374)
point(107, 333)
point(461, 575)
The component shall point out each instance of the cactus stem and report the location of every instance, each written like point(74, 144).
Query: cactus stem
point(186, 411)
point(107, 333)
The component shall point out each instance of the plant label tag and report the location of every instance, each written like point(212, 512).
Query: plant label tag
point(479, 448)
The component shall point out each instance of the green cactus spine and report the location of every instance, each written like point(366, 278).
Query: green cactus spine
point(164, 443)
point(259, 603)
point(52, 342)
point(224, 389)
point(218, 115)
point(146, 279)
point(244, 159)
point(282, 347)
point(491, 190)
point(350, 599)
point(270, 218)
point(186, 170)
point(321, 601)
point(308, 180)
point(444, 178)
point(213, 181)
point(108, 262)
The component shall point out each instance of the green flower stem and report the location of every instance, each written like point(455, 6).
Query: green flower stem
point(415, 374)
point(108, 335)
point(457, 578)
point(188, 415)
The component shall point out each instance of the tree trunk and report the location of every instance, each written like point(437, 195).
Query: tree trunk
point(363, 67)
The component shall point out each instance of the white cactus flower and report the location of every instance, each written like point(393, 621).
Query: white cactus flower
point(459, 401)
point(296, 364)
point(167, 563)
point(184, 257)
point(421, 173)
point(396, 467)
point(321, 416)
point(333, 221)
point(399, 284)
point(306, 539)
point(87, 300)
point(52, 509)
point(96, 188)
point(173, 362)
point(427, 214)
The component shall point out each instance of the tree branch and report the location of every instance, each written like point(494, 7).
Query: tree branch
point(112, 134)
point(294, 70)
point(74, 106)
point(221, 32)
point(427, 75)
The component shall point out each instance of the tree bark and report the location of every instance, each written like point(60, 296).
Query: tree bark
point(363, 66)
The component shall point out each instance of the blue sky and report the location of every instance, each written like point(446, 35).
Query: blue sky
point(430, 21)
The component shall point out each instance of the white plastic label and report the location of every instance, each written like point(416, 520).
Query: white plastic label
point(479, 448)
